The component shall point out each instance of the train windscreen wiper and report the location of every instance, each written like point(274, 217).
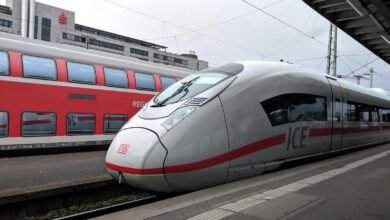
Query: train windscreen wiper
point(183, 87)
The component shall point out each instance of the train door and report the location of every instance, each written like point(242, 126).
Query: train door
point(336, 113)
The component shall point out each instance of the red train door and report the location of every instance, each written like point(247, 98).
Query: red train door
point(336, 113)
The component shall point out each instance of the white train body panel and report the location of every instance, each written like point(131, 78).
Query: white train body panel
point(228, 132)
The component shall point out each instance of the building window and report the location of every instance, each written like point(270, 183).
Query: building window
point(291, 108)
point(79, 123)
point(181, 61)
point(38, 67)
point(5, 10)
point(116, 78)
point(166, 82)
point(113, 123)
point(5, 23)
point(38, 124)
point(104, 44)
point(81, 73)
point(46, 29)
point(4, 63)
point(158, 56)
point(144, 81)
point(36, 27)
point(139, 52)
point(3, 124)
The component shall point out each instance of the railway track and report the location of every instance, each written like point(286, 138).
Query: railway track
point(113, 208)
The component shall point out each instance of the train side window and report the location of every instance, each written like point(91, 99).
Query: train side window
point(144, 81)
point(4, 63)
point(38, 124)
point(374, 114)
point(352, 112)
point(39, 67)
point(166, 81)
point(113, 123)
point(364, 112)
point(338, 109)
point(385, 115)
point(291, 108)
point(3, 124)
point(116, 78)
point(81, 73)
point(80, 124)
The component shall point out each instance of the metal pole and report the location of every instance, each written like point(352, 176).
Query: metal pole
point(332, 51)
point(32, 19)
point(24, 18)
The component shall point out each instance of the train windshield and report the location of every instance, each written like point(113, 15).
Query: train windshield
point(188, 87)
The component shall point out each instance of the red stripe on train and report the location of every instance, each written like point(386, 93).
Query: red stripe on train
point(243, 151)
point(134, 170)
point(315, 132)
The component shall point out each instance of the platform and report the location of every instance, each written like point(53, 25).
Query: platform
point(42, 175)
point(349, 186)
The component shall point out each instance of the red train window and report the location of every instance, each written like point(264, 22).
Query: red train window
point(4, 63)
point(3, 124)
point(38, 124)
point(113, 122)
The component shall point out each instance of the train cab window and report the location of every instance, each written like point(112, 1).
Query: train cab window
point(80, 124)
point(38, 124)
point(113, 122)
point(116, 78)
point(291, 108)
point(3, 124)
point(81, 73)
point(145, 81)
point(39, 67)
point(4, 63)
point(166, 82)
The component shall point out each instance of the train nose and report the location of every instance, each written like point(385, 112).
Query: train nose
point(136, 157)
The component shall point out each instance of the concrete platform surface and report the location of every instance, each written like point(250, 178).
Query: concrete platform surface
point(350, 186)
point(27, 174)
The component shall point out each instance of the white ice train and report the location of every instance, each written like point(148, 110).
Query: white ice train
point(240, 120)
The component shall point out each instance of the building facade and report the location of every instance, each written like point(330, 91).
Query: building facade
point(44, 22)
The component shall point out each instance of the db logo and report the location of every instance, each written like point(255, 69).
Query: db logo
point(123, 148)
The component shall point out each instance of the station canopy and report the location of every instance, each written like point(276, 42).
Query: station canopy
point(367, 21)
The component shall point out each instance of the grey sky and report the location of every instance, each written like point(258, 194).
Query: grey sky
point(249, 37)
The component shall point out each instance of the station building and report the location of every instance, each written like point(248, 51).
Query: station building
point(40, 21)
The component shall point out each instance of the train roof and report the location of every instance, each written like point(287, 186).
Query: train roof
point(78, 54)
point(268, 67)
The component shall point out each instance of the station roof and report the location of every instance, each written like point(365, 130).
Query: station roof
point(367, 21)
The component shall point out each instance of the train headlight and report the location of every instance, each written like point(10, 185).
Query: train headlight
point(178, 116)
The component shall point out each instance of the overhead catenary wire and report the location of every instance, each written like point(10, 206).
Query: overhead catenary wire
point(321, 63)
point(296, 29)
point(363, 66)
point(187, 29)
point(309, 59)
point(342, 60)
point(293, 39)
point(216, 24)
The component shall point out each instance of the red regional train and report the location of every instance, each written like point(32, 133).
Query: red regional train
point(55, 95)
